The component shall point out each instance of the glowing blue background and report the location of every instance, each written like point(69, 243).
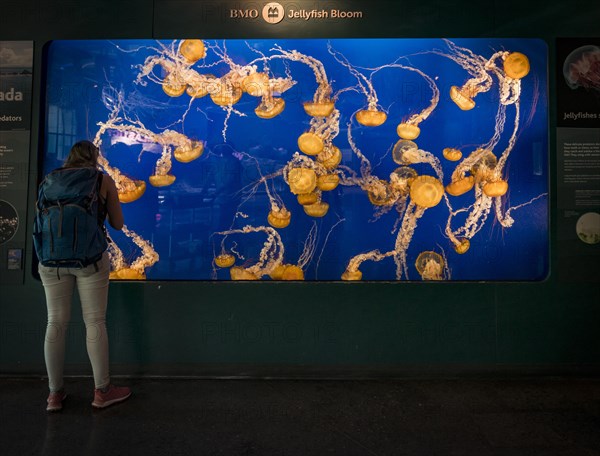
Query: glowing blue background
point(181, 219)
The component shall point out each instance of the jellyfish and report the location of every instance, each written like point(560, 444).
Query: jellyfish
point(318, 209)
point(224, 260)
point(321, 105)
point(406, 152)
point(286, 271)
point(301, 180)
point(582, 68)
point(328, 182)
point(192, 50)
point(137, 269)
point(270, 256)
point(452, 154)
point(372, 116)
point(409, 129)
point(430, 265)
point(188, 152)
point(516, 65)
point(320, 135)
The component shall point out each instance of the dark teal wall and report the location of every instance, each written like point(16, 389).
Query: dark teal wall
point(158, 327)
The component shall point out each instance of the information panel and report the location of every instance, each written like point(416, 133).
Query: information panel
point(16, 63)
point(314, 159)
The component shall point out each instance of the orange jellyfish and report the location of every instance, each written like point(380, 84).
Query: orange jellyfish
point(240, 273)
point(307, 198)
point(270, 108)
point(463, 97)
point(371, 117)
point(301, 180)
point(227, 94)
point(379, 193)
point(462, 246)
point(452, 154)
point(192, 50)
point(189, 152)
point(310, 143)
point(173, 86)
point(483, 168)
point(460, 186)
point(401, 178)
point(318, 209)
point(426, 191)
point(328, 182)
point(330, 157)
point(348, 275)
point(516, 65)
point(161, 180)
point(408, 131)
point(405, 152)
point(279, 217)
point(256, 84)
point(201, 85)
point(495, 188)
point(130, 190)
point(322, 108)
point(430, 265)
point(224, 260)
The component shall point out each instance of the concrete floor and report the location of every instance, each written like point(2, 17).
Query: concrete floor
point(539, 416)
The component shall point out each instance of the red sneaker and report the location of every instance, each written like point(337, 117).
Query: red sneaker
point(113, 395)
point(55, 401)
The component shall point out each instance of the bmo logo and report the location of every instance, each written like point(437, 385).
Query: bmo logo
point(273, 13)
point(243, 13)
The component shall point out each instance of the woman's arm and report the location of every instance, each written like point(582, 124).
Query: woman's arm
point(113, 205)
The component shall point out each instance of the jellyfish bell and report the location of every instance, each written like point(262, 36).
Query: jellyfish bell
point(379, 194)
point(302, 180)
point(319, 108)
point(351, 275)
point(189, 152)
point(224, 260)
point(461, 98)
point(279, 218)
point(240, 273)
point(460, 186)
point(310, 143)
point(495, 188)
point(408, 131)
point(582, 68)
point(516, 65)
point(131, 190)
point(292, 272)
point(201, 85)
point(452, 154)
point(430, 265)
point(371, 117)
point(126, 274)
point(277, 272)
point(402, 177)
point(426, 191)
point(405, 152)
point(318, 209)
point(307, 198)
point(270, 109)
point(161, 180)
point(462, 246)
point(330, 157)
point(485, 165)
point(173, 86)
point(192, 50)
point(256, 84)
point(327, 182)
point(227, 94)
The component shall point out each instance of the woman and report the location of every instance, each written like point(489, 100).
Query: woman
point(92, 286)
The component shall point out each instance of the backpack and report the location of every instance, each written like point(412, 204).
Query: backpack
point(68, 229)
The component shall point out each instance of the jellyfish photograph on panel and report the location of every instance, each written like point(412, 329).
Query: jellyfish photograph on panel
point(314, 159)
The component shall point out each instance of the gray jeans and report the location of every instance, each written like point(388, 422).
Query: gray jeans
point(92, 287)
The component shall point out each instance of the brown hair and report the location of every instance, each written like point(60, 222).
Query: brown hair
point(83, 153)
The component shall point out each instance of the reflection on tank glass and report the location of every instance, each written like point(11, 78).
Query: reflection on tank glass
point(313, 159)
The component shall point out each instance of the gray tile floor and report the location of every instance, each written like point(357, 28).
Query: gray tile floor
point(534, 416)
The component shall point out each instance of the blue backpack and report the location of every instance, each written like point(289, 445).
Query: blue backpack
point(68, 229)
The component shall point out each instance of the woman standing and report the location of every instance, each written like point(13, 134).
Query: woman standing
point(91, 282)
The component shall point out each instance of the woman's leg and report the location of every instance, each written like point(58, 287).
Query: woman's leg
point(93, 294)
point(58, 288)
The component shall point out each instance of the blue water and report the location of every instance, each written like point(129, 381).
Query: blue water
point(181, 220)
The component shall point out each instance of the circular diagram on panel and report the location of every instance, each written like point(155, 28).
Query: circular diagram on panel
point(588, 228)
point(9, 221)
